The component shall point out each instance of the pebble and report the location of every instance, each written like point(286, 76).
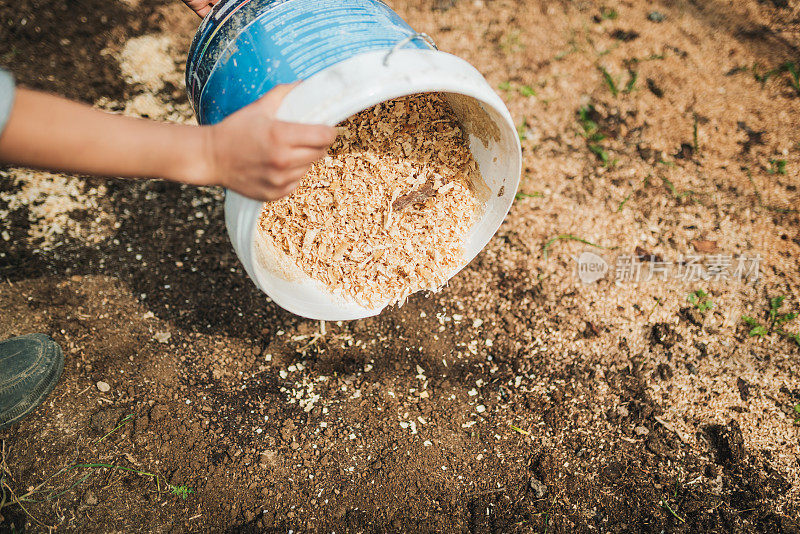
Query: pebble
point(162, 337)
point(103, 387)
point(538, 487)
point(90, 499)
point(641, 430)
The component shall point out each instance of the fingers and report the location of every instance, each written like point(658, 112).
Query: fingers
point(272, 100)
point(307, 135)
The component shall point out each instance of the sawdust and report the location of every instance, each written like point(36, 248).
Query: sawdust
point(385, 214)
point(148, 61)
point(52, 200)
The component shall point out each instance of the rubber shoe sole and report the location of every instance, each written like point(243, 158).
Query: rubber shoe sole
point(30, 367)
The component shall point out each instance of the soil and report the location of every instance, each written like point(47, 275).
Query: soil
point(519, 399)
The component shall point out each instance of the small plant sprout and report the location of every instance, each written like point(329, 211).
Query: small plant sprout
point(522, 130)
point(756, 329)
point(524, 90)
point(181, 491)
point(699, 299)
point(608, 13)
point(535, 194)
point(609, 80)
point(777, 166)
point(776, 320)
point(796, 409)
point(591, 131)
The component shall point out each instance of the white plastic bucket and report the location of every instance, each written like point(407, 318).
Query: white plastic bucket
point(355, 84)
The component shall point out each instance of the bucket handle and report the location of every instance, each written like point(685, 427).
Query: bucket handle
point(424, 37)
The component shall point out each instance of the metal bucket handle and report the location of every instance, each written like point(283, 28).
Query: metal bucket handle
point(427, 39)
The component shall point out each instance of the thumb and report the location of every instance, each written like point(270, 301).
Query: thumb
point(271, 101)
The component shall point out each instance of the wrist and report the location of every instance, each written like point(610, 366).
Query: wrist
point(193, 161)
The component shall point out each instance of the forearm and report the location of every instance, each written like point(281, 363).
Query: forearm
point(50, 132)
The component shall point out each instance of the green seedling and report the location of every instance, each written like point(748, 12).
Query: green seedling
point(122, 423)
point(535, 194)
point(518, 429)
point(181, 491)
point(522, 130)
point(612, 85)
point(699, 299)
point(624, 201)
point(777, 166)
point(757, 329)
point(796, 409)
point(607, 13)
point(570, 237)
point(601, 153)
point(524, 90)
point(776, 320)
point(609, 80)
point(591, 131)
point(791, 68)
point(665, 505)
point(764, 77)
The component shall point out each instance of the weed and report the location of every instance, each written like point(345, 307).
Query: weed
point(535, 194)
point(591, 131)
point(624, 201)
point(796, 409)
point(608, 13)
point(777, 166)
point(181, 491)
point(512, 42)
point(761, 200)
point(612, 85)
point(122, 423)
point(791, 68)
point(609, 80)
point(524, 90)
point(700, 300)
point(518, 429)
point(522, 130)
point(775, 321)
point(665, 504)
point(669, 185)
point(569, 237)
point(756, 328)
point(601, 153)
point(633, 76)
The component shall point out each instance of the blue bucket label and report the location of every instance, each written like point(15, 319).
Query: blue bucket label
point(244, 48)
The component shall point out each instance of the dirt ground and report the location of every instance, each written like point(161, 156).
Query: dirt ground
point(518, 399)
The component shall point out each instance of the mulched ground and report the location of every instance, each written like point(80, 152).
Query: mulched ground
point(516, 400)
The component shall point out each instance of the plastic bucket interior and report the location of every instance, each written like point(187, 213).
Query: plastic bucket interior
point(335, 93)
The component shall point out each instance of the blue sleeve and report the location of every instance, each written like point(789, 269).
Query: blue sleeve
point(6, 97)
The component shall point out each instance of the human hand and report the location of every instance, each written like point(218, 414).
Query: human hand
point(259, 156)
point(201, 7)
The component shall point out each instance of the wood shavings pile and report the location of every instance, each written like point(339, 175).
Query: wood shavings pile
point(387, 211)
point(58, 206)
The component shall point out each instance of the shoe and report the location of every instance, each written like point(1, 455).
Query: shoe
point(30, 367)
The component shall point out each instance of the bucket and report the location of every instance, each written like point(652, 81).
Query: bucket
point(350, 56)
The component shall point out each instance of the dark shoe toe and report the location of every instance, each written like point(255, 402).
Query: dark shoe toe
point(30, 367)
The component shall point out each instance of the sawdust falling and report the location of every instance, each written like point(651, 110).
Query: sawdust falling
point(386, 212)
